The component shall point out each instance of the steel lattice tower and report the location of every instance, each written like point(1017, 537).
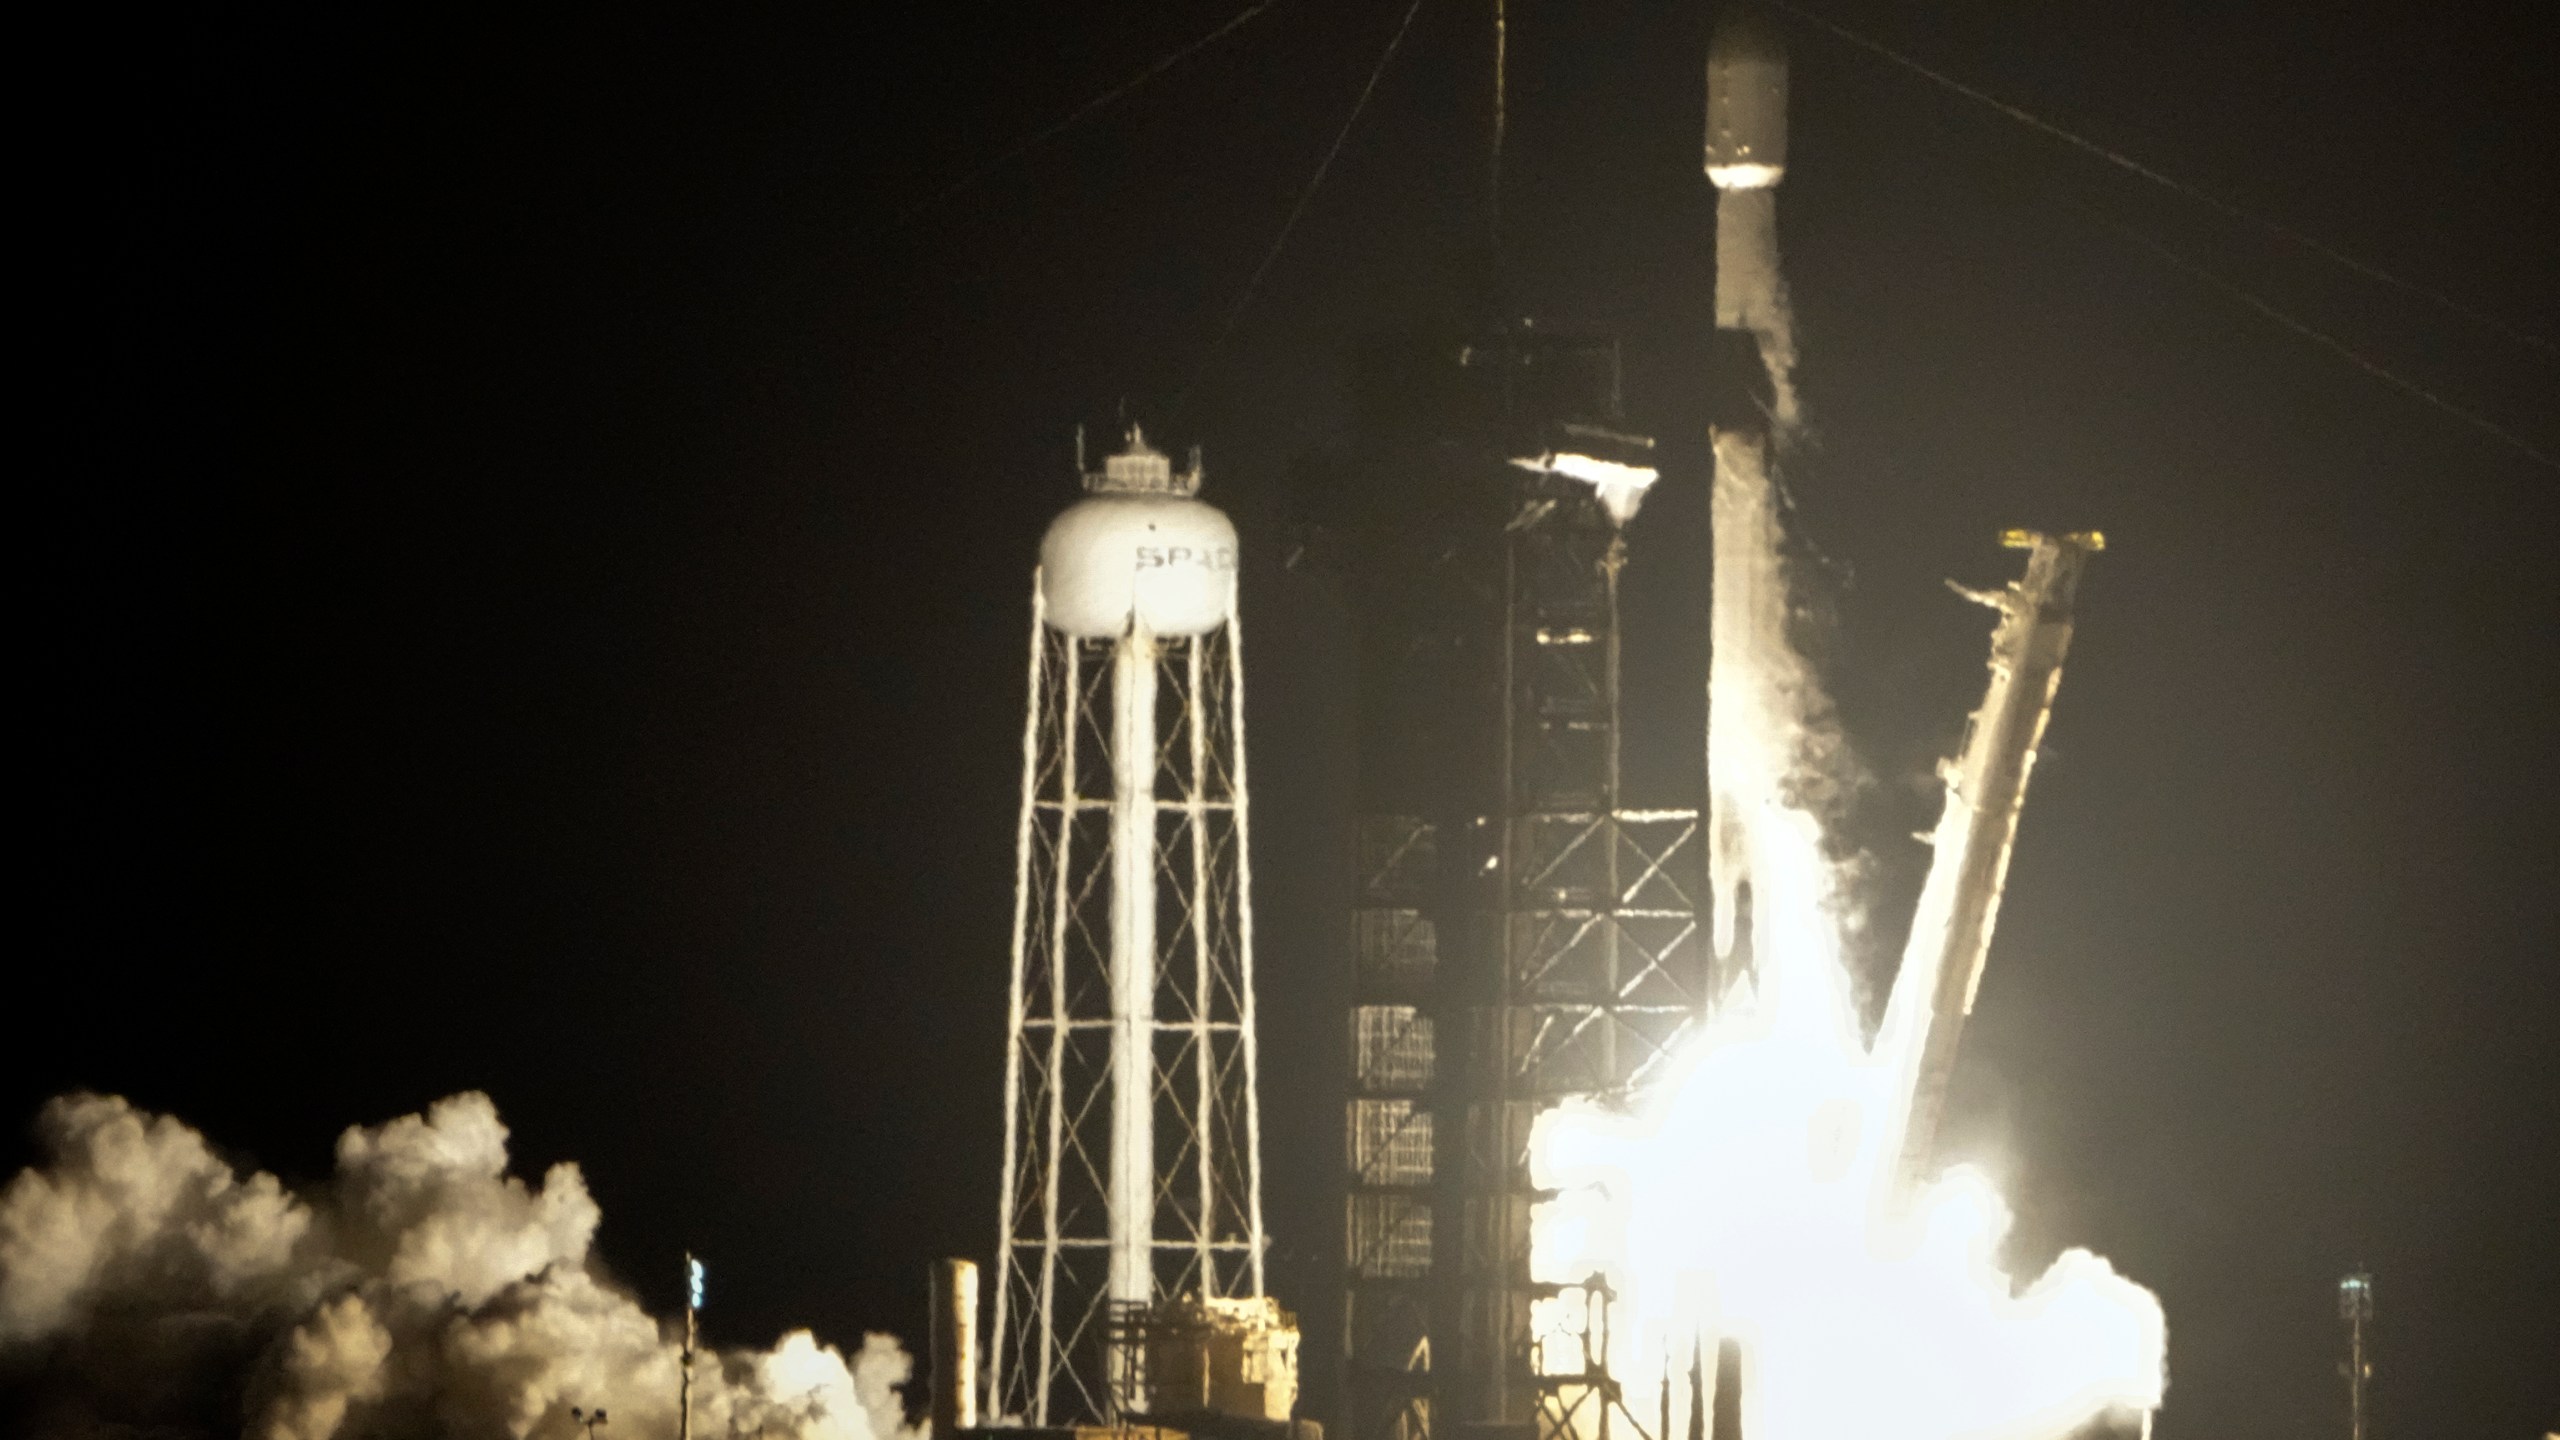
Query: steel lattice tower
point(1519, 935)
point(1601, 973)
point(1132, 1168)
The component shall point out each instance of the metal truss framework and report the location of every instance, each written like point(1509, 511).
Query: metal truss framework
point(1066, 1212)
point(1392, 1155)
point(1579, 1397)
point(1547, 953)
point(1600, 966)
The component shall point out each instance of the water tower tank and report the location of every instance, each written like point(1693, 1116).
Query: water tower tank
point(1138, 549)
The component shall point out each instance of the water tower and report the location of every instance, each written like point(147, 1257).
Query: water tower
point(1132, 1169)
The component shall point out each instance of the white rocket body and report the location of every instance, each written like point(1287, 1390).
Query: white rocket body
point(1758, 687)
point(1746, 104)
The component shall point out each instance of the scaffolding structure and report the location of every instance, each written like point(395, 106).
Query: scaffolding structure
point(1520, 935)
point(1579, 1396)
point(1132, 1168)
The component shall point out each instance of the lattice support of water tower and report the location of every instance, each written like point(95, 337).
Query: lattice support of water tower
point(1132, 1133)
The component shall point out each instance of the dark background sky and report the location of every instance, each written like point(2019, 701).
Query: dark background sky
point(529, 576)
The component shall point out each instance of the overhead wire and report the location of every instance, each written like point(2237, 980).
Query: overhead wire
point(2350, 354)
point(1501, 128)
point(2193, 192)
point(1253, 284)
point(2183, 263)
point(1078, 115)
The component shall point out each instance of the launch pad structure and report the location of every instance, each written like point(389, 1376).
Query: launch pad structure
point(1522, 932)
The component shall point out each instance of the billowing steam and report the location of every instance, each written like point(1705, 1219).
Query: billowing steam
point(1754, 1195)
point(147, 1286)
point(1754, 1199)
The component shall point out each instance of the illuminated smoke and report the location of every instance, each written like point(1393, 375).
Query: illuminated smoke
point(423, 1291)
point(1753, 1194)
point(1750, 1198)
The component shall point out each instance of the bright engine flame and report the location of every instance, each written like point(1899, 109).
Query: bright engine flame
point(1752, 1198)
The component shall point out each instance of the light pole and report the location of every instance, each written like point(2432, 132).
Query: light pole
point(692, 1314)
point(2355, 1306)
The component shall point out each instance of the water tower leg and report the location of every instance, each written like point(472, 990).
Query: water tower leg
point(1133, 987)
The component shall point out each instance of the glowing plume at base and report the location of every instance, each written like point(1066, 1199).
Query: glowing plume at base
point(1750, 1198)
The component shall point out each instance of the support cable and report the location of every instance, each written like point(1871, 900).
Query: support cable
point(2352, 356)
point(1244, 298)
point(1078, 115)
point(1501, 124)
point(2202, 197)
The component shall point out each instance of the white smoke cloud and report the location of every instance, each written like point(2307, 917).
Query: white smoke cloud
point(140, 1203)
point(425, 1291)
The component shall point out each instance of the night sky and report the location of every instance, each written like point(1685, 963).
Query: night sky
point(530, 564)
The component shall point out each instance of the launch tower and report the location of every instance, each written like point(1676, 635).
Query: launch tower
point(1520, 934)
point(1132, 1169)
point(1523, 937)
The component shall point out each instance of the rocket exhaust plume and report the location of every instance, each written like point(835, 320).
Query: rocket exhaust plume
point(145, 1282)
point(1768, 1203)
